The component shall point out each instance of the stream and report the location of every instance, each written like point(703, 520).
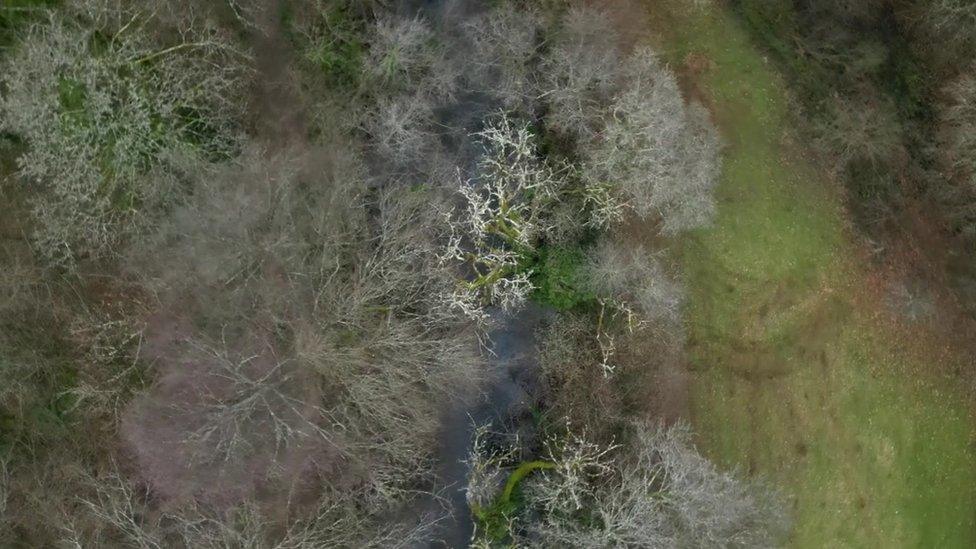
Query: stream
point(505, 400)
point(506, 403)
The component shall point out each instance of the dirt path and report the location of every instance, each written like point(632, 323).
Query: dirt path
point(801, 371)
point(278, 107)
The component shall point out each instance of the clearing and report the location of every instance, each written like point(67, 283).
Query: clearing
point(800, 373)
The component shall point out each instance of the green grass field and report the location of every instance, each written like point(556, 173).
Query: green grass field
point(798, 377)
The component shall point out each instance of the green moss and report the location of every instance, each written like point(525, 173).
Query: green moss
point(493, 521)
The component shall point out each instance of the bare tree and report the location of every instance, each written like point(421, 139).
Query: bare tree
point(580, 72)
point(119, 513)
point(4, 495)
point(946, 30)
point(402, 127)
point(662, 156)
point(249, 401)
point(637, 278)
point(101, 104)
point(337, 344)
point(504, 43)
point(504, 220)
point(405, 55)
point(407, 74)
point(18, 284)
point(576, 363)
point(957, 153)
point(852, 11)
point(653, 491)
point(861, 130)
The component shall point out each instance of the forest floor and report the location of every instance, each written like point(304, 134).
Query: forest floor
point(802, 371)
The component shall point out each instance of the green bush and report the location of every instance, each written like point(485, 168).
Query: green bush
point(559, 280)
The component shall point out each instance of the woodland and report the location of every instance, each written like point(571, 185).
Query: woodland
point(392, 273)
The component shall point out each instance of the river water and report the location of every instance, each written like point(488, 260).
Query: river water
point(506, 399)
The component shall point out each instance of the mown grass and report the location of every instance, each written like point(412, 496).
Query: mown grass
point(799, 374)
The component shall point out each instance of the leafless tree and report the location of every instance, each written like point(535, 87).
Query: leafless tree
point(101, 103)
point(405, 55)
point(504, 219)
point(861, 130)
point(957, 153)
point(653, 491)
point(4, 494)
point(402, 127)
point(577, 371)
point(662, 156)
point(344, 286)
point(504, 43)
point(580, 72)
point(119, 515)
point(946, 30)
point(19, 284)
point(635, 277)
point(407, 74)
point(852, 11)
point(485, 469)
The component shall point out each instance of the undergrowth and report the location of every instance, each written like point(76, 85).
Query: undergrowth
point(559, 280)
